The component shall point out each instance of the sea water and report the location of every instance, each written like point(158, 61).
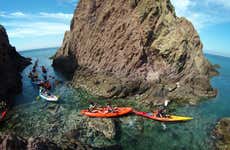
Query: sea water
point(192, 135)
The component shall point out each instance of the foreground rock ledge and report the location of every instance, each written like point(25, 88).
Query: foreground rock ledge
point(222, 134)
point(135, 48)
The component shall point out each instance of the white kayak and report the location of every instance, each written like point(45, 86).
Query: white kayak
point(48, 96)
point(37, 82)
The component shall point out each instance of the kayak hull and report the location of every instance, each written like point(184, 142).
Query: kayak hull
point(37, 82)
point(171, 118)
point(51, 98)
point(102, 113)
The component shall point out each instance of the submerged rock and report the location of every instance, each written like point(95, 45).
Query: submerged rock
point(222, 134)
point(11, 63)
point(41, 144)
point(128, 48)
point(11, 141)
point(96, 132)
point(14, 142)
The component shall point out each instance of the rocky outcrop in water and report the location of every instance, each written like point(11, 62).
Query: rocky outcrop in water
point(98, 133)
point(222, 134)
point(62, 125)
point(135, 48)
point(14, 142)
point(11, 63)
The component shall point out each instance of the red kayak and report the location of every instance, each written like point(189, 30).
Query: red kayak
point(3, 115)
point(170, 118)
point(104, 113)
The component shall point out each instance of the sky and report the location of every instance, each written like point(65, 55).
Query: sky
point(35, 24)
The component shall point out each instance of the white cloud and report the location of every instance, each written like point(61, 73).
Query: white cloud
point(55, 15)
point(182, 5)
point(2, 14)
point(203, 13)
point(20, 15)
point(35, 29)
point(17, 14)
point(26, 25)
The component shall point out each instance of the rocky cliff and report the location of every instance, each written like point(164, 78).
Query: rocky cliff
point(11, 63)
point(135, 47)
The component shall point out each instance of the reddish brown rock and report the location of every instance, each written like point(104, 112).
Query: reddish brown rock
point(135, 47)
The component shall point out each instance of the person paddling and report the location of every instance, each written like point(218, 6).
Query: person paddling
point(92, 107)
point(110, 109)
point(2, 105)
point(162, 111)
point(47, 85)
point(43, 69)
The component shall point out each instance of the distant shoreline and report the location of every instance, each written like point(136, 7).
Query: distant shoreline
point(27, 50)
point(218, 55)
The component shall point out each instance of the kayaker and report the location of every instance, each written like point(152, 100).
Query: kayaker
point(161, 112)
point(30, 75)
point(2, 106)
point(36, 63)
point(44, 76)
point(47, 85)
point(33, 70)
point(92, 107)
point(110, 109)
point(35, 75)
point(44, 69)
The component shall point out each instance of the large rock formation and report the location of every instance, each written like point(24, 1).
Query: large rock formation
point(135, 47)
point(11, 63)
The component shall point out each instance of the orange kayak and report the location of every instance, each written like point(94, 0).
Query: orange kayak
point(103, 112)
point(3, 115)
point(170, 118)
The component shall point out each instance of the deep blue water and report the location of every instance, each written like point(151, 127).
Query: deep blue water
point(195, 134)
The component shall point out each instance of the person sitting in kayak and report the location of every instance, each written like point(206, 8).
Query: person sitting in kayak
point(92, 107)
point(35, 75)
point(36, 63)
point(46, 85)
point(110, 109)
point(44, 69)
point(162, 113)
point(30, 75)
point(2, 106)
point(44, 77)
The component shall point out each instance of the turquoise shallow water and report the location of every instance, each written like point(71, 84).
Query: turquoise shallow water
point(195, 134)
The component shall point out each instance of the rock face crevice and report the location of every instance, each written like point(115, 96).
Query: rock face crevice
point(11, 64)
point(128, 45)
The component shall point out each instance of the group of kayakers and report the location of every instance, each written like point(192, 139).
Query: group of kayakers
point(34, 76)
point(94, 108)
point(161, 112)
point(109, 111)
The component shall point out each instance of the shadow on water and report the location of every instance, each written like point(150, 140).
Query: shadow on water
point(34, 117)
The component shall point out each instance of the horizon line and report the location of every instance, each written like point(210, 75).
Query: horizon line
point(33, 49)
point(25, 50)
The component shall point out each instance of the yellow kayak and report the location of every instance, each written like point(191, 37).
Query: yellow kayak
point(171, 118)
